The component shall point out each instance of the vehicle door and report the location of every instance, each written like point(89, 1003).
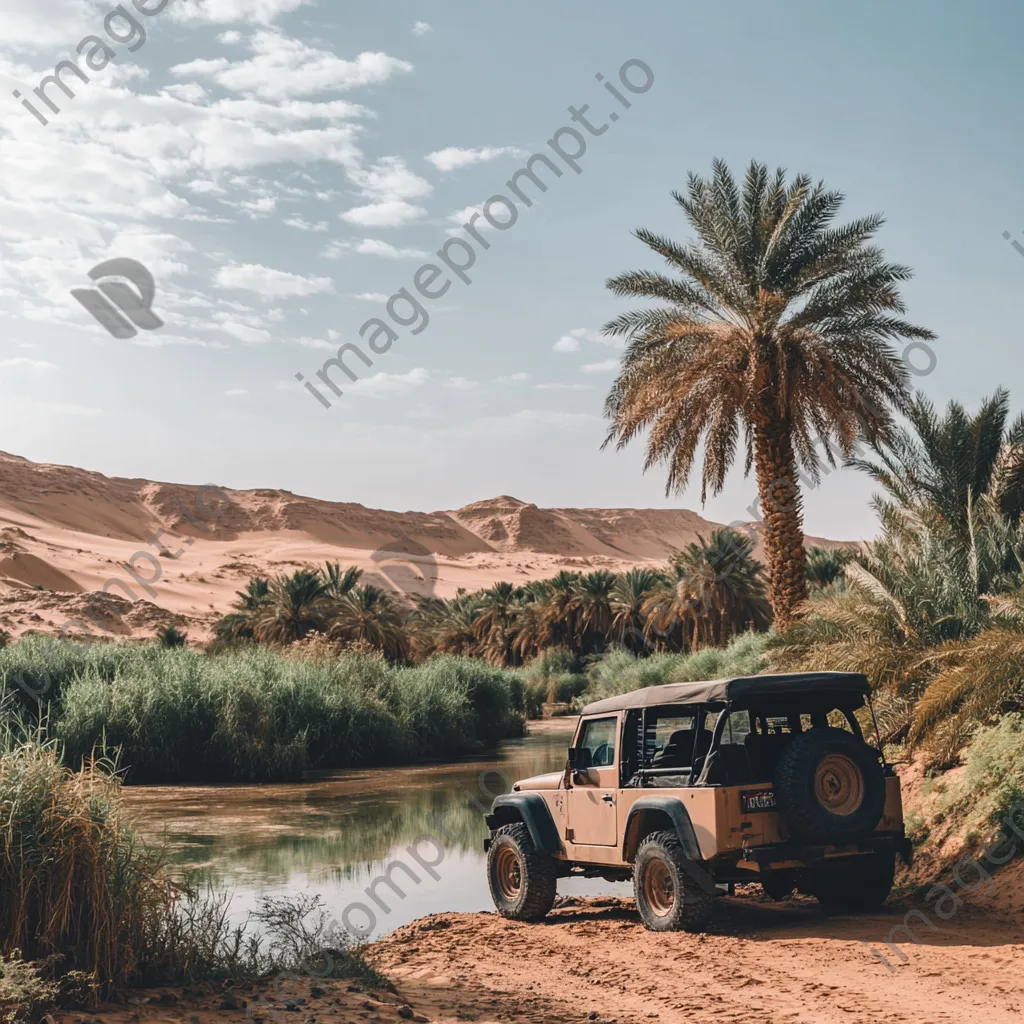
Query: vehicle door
point(594, 788)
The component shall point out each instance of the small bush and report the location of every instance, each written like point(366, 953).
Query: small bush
point(620, 671)
point(993, 781)
point(26, 992)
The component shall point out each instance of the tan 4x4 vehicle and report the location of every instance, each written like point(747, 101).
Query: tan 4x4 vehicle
point(690, 788)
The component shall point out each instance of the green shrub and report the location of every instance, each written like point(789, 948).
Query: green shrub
point(256, 714)
point(620, 671)
point(993, 781)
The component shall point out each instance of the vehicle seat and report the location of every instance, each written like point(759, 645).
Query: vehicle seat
point(764, 752)
point(729, 765)
point(675, 753)
point(704, 738)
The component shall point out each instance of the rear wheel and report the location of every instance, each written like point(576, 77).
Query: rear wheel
point(861, 884)
point(670, 893)
point(830, 786)
point(522, 880)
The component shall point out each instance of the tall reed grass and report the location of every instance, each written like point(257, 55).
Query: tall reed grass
point(257, 714)
point(86, 906)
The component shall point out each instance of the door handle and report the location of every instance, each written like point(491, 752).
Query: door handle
point(608, 798)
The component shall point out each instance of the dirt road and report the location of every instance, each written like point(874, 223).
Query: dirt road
point(762, 962)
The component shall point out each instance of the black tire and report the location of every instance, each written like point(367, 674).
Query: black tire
point(830, 786)
point(523, 881)
point(859, 885)
point(778, 886)
point(672, 893)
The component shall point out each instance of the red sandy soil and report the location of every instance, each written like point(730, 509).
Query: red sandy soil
point(66, 532)
point(762, 962)
point(592, 960)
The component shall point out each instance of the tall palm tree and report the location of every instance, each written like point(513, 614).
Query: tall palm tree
point(823, 566)
point(592, 605)
point(632, 588)
point(238, 623)
point(559, 609)
point(369, 616)
point(937, 469)
point(495, 625)
point(339, 582)
point(726, 585)
point(448, 626)
point(776, 336)
point(295, 606)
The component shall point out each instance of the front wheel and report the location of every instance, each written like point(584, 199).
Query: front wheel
point(670, 893)
point(523, 882)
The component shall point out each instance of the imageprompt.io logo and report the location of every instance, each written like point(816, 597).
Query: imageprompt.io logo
point(406, 567)
point(117, 306)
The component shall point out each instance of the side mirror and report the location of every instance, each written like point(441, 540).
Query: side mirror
point(571, 757)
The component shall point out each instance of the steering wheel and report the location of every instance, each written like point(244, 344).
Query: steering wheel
point(600, 758)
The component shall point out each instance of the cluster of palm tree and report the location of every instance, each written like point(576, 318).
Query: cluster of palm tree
point(329, 601)
point(933, 611)
point(706, 594)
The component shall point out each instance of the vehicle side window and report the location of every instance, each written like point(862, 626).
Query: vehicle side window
point(737, 728)
point(596, 747)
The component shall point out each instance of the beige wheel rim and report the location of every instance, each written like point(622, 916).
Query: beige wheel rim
point(508, 873)
point(659, 891)
point(839, 784)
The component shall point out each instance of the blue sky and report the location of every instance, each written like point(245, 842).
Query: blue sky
point(281, 164)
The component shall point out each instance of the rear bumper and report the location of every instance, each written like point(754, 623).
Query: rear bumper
point(789, 856)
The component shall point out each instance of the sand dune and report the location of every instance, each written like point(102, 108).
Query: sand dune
point(177, 553)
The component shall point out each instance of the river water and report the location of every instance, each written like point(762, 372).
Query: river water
point(333, 834)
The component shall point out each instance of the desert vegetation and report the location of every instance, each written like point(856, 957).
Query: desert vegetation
point(257, 713)
point(774, 338)
point(932, 611)
point(706, 594)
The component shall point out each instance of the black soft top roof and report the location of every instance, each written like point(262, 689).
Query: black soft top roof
point(852, 684)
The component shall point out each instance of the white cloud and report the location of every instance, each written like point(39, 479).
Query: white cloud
point(21, 362)
point(512, 378)
point(389, 385)
point(605, 366)
point(587, 334)
point(462, 384)
point(229, 38)
point(235, 392)
point(266, 281)
point(389, 184)
point(371, 247)
point(371, 296)
point(282, 68)
point(567, 343)
point(316, 343)
point(421, 28)
point(263, 12)
point(453, 157)
point(392, 214)
point(250, 335)
point(305, 225)
point(564, 387)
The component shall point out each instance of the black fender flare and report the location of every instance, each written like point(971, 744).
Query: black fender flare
point(534, 812)
point(677, 814)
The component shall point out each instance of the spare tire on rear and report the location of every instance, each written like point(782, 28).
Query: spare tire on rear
point(830, 786)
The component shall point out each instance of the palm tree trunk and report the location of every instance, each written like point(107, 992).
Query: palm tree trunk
point(782, 514)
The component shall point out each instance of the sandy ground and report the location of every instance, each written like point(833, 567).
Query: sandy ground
point(763, 962)
point(175, 553)
point(592, 960)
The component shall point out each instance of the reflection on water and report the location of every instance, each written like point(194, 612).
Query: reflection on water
point(335, 833)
